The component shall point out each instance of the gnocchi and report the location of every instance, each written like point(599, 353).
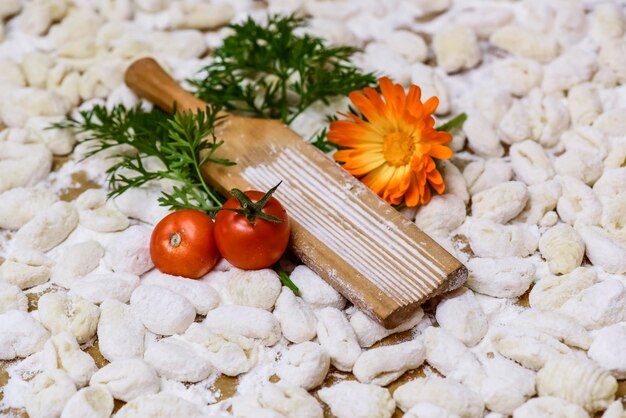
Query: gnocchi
point(482, 175)
point(599, 305)
point(456, 47)
point(531, 349)
point(578, 203)
point(489, 239)
point(584, 104)
point(481, 136)
point(525, 43)
point(444, 393)
point(129, 251)
point(201, 295)
point(47, 229)
point(579, 382)
point(603, 249)
point(338, 338)
point(314, 290)
point(381, 366)
point(98, 214)
point(20, 335)
point(258, 289)
point(245, 321)
point(75, 262)
point(98, 287)
point(161, 310)
point(460, 314)
point(23, 165)
point(557, 325)
point(584, 167)
point(518, 75)
point(120, 332)
point(562, 248)
point(63, 352)
point(127, 379)
point(176, 359)
point(500, 203)
point(49, 392)
point(500, 277)
point(305, 364)
point(60, 312)
point(551, 292)
point(163, 404)
point(549, 406)
point(507, 385)
point(530, 162)
point(574, 66)
point(92, 402)
point(428, 217)
point(297, 320)
point(607, 348)
point(20, 205)
point(11, 297)
point(358, 400)
point(369, 332)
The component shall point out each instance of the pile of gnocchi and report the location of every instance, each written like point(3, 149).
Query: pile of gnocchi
point(535, 206)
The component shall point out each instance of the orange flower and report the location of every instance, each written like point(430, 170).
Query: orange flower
point(392, 150)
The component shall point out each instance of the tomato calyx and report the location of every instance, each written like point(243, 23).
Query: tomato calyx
point(252, 210)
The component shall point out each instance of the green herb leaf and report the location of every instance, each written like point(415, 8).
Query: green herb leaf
point(270, 71)
point(454, 123)
point(178, 144)
point(286, 281)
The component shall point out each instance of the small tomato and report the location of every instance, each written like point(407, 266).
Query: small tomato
point(183, 244)
point(252, 229)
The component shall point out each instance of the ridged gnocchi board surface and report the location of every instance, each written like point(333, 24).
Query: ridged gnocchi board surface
point(362, 246)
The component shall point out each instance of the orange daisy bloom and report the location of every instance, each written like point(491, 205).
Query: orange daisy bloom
point(392, 148)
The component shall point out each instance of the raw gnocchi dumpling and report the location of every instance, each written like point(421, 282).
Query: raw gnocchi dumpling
point(584, 104)
point(500, 277)
point(577, 381)
point(59, 141)
point(20, 205)
point(60, 312)
point(515, 124)
point(531, 163)
point(305, 365)
point(531, 349)
point(314, 290)
point(174, 358)
point(255, 288)
point(587, 139)
point(246, 321)
point(97, 287)
point(23, 165)
point(142, 203)
point(500, 203)
point(557, 325)
point(586, 168)
point(489, 239)
point(21, 104)
point(578, 204)
point(63, 352)
point(350, 399)
point(518, 75)
point(456, 47)
point(162, 311)
point(48, 228)
point(11, 297)
point(444, 393)
point(460, 314)
point(597, 306)
point(20, 335)
point(607, 22)
point(98, 214)
point(608, 348)
point(562, 248)
point(525, 43)
point(573, 67)
point(542, 198)
point(91, 402)
point(451, 358)
point(604, 250)
point(428, 217)
point(297, 320)
point(49, 392)
point(481, 136)
point(429, 410)
point(616, 158)
point(611, 184)
point(201, 295)
point(120, 332)
point(162, 404)
point(127, 379)
point(75, 262)
point(615, 410)
point(611, 122)
point(551, 292)
point(507, 385)
point(231, 354)
point(549, 407)
point(337, 337)
point(129, 251)
point(382, 365)
point(455, 182)
point(549, 118)
point(368, 331)
point(289, 400)
point(482, 175)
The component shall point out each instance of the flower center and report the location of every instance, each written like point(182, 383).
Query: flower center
point(398, 148)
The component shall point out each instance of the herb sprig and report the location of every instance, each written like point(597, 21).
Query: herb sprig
point(182, 142)
point(270, 71)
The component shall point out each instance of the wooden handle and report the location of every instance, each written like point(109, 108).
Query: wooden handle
point(149, 80)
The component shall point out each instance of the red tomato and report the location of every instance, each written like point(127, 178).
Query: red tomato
point(250, 242)
point(183, 244)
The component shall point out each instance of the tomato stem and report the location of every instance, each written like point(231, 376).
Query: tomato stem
point(252, 210)
point(175, 239)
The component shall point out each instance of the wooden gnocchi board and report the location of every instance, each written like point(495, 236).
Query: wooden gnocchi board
point(344, 232)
